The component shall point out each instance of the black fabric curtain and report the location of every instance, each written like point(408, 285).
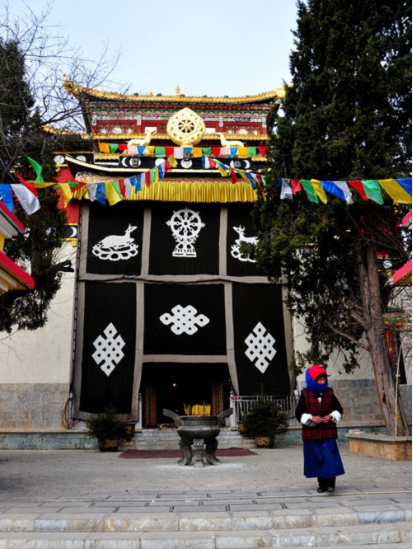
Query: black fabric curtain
point(184, 239)
point(184, 319)
point(108, 362)
point(115, 239)
point(259, 331)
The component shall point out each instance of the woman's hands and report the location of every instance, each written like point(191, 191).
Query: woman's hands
point(318, 419)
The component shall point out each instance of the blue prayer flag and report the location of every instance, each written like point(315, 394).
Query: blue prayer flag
point(101, 193)
point(6, 196)
point(406, 184)
point(332, 188)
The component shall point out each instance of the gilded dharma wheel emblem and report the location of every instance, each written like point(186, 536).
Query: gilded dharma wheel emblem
point(186, 128)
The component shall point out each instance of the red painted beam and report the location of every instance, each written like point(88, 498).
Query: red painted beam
point(16, 272)
point(404, 274)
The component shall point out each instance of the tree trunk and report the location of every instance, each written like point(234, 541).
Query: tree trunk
point(376, 336)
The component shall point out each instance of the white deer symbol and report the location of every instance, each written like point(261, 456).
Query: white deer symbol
point(235, 250)
point(116, 248)
point(115, 242)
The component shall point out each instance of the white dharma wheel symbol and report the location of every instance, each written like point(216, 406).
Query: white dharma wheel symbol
point(185, 225)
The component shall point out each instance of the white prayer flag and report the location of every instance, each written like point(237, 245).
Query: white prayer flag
point(286, 190)
point(29, 202)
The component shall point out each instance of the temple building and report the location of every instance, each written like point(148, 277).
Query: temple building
point(169, 310)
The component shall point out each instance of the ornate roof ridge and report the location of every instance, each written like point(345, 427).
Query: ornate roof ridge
point(77, 89)
point(165, 136)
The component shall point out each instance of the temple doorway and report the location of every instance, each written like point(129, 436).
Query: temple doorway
point(171, 385)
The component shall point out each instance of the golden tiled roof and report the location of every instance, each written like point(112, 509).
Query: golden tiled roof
point(77, 89)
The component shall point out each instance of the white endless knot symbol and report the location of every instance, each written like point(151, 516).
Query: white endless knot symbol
point(108, 350)
point(260, 347)
point(184, 320)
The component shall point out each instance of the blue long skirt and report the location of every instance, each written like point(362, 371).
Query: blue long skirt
point(322, 459)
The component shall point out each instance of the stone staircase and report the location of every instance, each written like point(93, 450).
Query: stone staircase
point(95, 529)
point(167, 439)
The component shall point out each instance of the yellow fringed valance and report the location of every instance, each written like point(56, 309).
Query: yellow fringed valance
point(189, 192)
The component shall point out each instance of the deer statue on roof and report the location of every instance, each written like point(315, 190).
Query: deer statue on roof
point(145, 140)
point(225, 143)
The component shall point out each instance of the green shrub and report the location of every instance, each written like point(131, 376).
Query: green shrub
point(265, 419)
point(106, 426)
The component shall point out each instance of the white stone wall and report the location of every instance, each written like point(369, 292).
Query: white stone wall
point(35, 366)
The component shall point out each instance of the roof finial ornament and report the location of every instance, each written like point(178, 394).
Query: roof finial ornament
point(177, 91)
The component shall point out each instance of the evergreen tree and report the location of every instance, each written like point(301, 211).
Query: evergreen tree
point(346, 117)
point(33, 58)
point(21, 135)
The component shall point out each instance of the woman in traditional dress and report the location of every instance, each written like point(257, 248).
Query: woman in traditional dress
point(319, 411)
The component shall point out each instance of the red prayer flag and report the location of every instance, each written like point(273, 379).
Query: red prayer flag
point(122, 147)
point(29, 186)
point(296, 186)
point(122, 187)
point(216, 151)
point(358, 185)
point(262, 150)
point(169, 151)
point(148, 178)
point(167, 164)
point(234, 178)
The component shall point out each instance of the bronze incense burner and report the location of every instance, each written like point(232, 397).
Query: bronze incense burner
point(198, 436)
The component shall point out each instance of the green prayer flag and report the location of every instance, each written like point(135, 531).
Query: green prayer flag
point(309, 189)
point(206, 150)
point(251, 151)
point(160, 152)
point(373, 191)
point(115, 185)
point(38, 169)
point(113, 147)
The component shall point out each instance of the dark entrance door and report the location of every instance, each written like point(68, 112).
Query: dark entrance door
point(171, 385)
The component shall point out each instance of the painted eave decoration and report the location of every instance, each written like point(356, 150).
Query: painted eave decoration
point(12, 277)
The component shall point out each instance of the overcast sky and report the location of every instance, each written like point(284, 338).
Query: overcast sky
point(216, 47)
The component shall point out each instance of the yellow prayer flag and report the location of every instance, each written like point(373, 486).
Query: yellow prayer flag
point(104, 148)
point(66, 193)
point(172, 161)
point(395, 191)
point(149, 151)
point(221, 170)
point(319, 191)
point(156, 175)
point(242, 152)
point(112, 194)
point(196, 152)
point(243, 175)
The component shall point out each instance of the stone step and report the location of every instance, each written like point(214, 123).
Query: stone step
point(381, 536)
point(167, 439)
point(149, 519)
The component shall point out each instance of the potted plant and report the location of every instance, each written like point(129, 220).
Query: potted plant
point(264, 421)
point(108, 428)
